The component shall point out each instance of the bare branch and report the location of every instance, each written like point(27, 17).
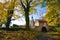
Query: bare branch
point(26, 1)
point(30, 1)
point(22, 4)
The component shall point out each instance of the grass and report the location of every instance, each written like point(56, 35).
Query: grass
point(19, 35)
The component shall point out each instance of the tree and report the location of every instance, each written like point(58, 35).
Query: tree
point(53, 12)
point(3, 14)
point(6, 12)
point(26, 7)
point(10, 12)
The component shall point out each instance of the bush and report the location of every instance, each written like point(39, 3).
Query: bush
point(52, 29)
point(58, 29)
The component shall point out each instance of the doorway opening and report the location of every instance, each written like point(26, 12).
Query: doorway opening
point(44, 29)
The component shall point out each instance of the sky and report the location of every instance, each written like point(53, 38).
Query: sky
point(41, 11)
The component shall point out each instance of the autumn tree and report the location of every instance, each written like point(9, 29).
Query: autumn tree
point(53, 12)
point(10, 12)
point(7, 11)
point(26, 7)
point(3, 14)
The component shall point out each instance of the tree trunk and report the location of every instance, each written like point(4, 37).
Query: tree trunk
point(8, 22)
point(26, 10)
point(10, 13)
point(27, 19)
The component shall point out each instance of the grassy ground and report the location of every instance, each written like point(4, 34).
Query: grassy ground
point(19, 35)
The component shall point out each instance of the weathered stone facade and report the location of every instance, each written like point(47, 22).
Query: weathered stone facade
point(39, 25)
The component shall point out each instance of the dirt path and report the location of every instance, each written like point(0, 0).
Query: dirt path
point(46, 36)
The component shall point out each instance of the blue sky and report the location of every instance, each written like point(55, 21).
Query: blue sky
point(41, 11)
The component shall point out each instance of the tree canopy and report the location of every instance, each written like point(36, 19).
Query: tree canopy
point(53, 12)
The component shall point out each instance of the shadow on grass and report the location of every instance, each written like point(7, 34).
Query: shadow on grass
point(13, 29)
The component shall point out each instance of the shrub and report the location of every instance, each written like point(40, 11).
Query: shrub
point(58, 29)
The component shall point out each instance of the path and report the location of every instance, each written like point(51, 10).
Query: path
point(46, 36)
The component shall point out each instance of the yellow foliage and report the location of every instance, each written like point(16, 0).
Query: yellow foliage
point(17, 3)
point(53, 8)
point(3, 16)
point(1, 6)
